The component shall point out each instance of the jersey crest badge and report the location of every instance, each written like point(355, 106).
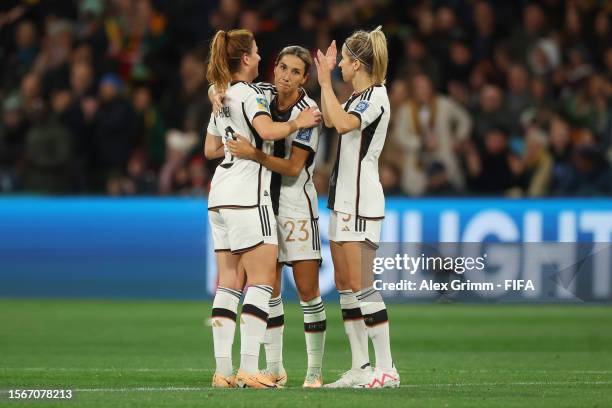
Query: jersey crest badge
point(304, 135)
point(262, 102)
point(362, 106)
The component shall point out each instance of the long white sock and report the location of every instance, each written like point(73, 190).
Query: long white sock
point(355, 329)
point(375, 316)
point(253, 322)
point(315, 324)
point(223, 320)
point(273, 340)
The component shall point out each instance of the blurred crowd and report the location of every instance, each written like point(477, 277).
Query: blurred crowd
point(493, 97)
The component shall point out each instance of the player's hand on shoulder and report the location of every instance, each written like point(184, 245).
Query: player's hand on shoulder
point(216, 98)
point(241, 147)
point(308, 118)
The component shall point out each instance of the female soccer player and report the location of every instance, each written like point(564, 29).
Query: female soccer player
point(239, 206)
point(294, 200)
point(357, 201)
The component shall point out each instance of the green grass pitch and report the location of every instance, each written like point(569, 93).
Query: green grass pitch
point(159, 354)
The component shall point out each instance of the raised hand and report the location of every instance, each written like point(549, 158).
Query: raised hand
point(332, 55)
point(308, 118)
point(323, 69)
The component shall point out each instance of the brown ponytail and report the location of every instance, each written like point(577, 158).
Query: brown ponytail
point(226, 51)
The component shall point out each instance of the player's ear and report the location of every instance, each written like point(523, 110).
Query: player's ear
point(304, 79)
point(246, 59)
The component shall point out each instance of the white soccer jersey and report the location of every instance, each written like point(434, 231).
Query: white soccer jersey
point(294, 197)
point(240, 183)
point(354, 186)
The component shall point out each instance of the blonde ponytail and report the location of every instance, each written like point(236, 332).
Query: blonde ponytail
point(370, 48)
point(226, 51)
point(380, 56)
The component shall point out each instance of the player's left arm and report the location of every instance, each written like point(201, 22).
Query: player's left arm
point(242, 148)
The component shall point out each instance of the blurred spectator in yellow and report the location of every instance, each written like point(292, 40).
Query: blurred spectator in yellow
point(430, 127)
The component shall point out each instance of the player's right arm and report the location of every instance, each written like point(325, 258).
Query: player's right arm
point(213, 147)
point(270, 130)
point(213, 144)
point(291, 167)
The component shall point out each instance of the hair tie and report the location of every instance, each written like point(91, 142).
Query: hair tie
point(355, 55)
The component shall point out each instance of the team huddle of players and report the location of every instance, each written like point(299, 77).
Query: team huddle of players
point(263, 206)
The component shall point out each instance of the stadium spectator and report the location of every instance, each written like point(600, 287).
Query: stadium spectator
point(430, 127)
point(490, 112)
point(511, 65)
point(537, 164)
point(13, 129)
point(438, 182)
point(495, 169)
point(114, 132)
point(590, 174)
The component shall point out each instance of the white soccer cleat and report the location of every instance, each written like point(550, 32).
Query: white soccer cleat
point(381, 378)
point(352, 378)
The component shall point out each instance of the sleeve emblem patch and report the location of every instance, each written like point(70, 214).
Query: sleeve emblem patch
point(362, 106)
point(304, 135)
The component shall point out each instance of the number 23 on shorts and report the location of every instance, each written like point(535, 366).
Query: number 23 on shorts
point(289, 228)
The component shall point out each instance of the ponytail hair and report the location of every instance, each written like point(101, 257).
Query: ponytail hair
point(370, 48)
point(226, 51)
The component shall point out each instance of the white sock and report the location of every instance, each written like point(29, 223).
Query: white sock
point(223, 320)
point(315, 324)
point(355, 329)
point(253, 322)
point(375, 316)
point(273, 340)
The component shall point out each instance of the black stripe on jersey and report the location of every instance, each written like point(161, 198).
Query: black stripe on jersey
point(367, 135)
point(267, 87)
point(254, 311)
point(256, 89)
point(309, 161)
point(277, 178)
point(258, 145)
point(333, 180)
point(302, 104)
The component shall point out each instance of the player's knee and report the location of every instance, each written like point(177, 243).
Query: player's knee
point(308, 292)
